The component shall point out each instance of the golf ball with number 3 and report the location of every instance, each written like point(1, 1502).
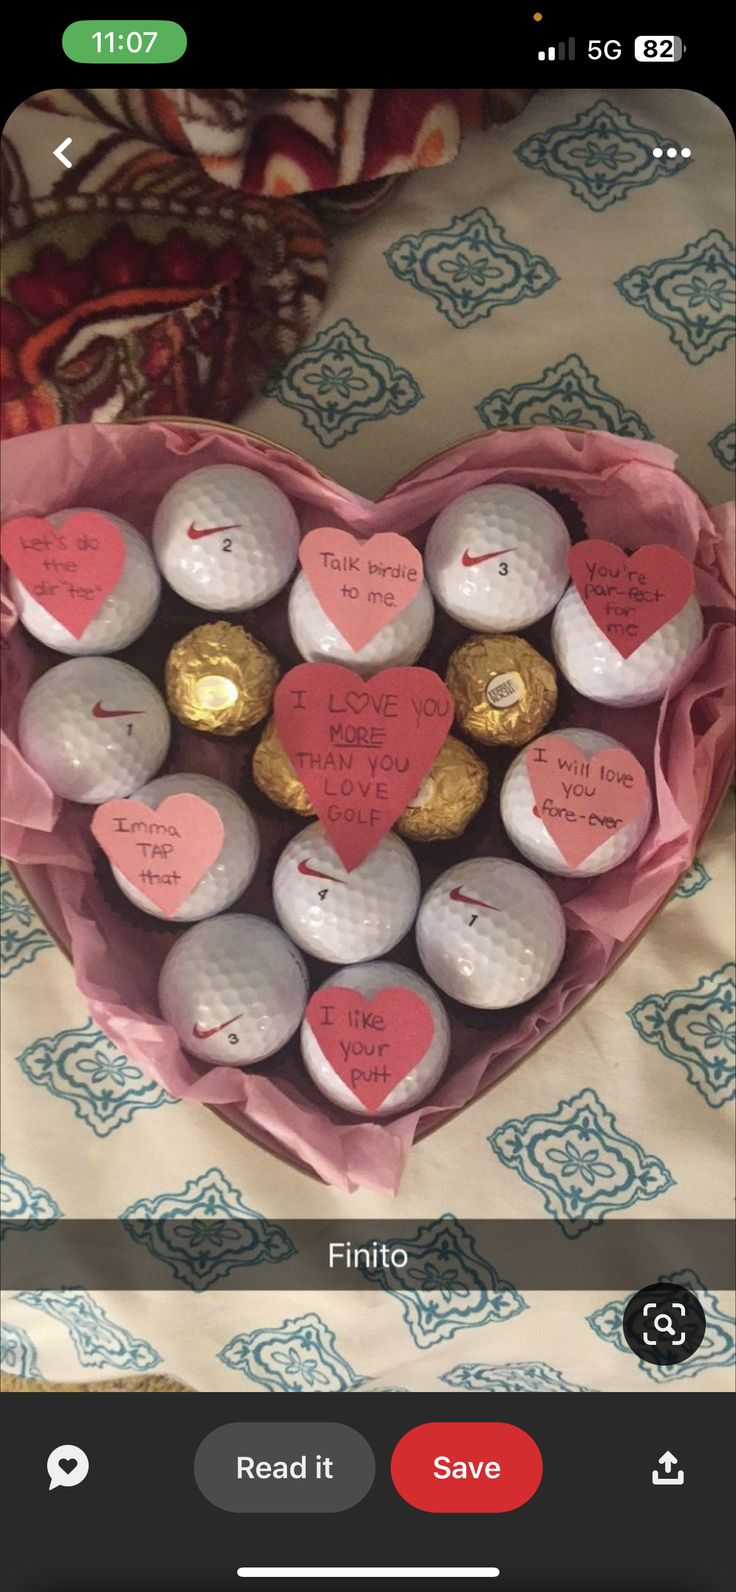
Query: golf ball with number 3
point(226, 538)
point(496, 558)
point(596, 669)
point(234, 989)
point(126, 612)
point(400, 642)
point(369, 979)
point(236, 863)
point(341, 916)
point(528, 833)
point(94, 728)
point(490, 933)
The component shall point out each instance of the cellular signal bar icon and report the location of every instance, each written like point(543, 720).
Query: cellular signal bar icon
point(558, 52)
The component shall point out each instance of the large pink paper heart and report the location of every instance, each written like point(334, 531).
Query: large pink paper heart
point(361, 755)
point(583, 801)
point(362, 585)
point(630, 596)
point(163, 851)
point(371, 1044)
point(69, 571)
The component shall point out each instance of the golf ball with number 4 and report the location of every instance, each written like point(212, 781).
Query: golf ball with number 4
point(341, 916)
point(94, 728)
point(496, 558)
point(525, 828)
point(490, 933)
point(236, 863)
point(369, 979)
point(398, 643)
point(226, 538)
point(234, 988)
point(123, 616)
point(596, 669)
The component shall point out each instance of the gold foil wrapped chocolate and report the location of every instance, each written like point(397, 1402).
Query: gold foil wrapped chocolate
point(274, 775)
point(505, 692)
point(454, 789)
point(220, 679)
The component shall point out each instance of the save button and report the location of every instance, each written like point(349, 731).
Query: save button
point(466, 1467)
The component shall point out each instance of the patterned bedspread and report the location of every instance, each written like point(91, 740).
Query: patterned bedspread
point(558, 272)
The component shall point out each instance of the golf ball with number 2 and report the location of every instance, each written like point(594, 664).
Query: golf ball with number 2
point(233, 869)
point(341, 916)
point(123, 616)
point(530, 836)
point(369, 979)
point(234, 988)
point(226, 538)
point(490, 933)
point(496, 558)
point(596, 668)
point(94, 728)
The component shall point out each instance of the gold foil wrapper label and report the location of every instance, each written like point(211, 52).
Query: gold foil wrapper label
point(220, 679)
point(450, 795)
point(504, 691)
point(275, 776)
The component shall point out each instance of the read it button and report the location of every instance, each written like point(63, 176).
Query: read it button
point(466, 1467)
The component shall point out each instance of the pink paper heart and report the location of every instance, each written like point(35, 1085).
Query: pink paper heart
point(362, 585)
point(69, 571)
point(583, 800)
point(371, 1044)
point(163, 851)
point(361, 755)
point(630, 596)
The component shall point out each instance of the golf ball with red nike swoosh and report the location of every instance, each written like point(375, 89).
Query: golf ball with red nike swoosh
point(236, 863)
point(490, 933)
point(496, 558)
point(369, 978)
point(234, 988)
point(341, 916)
point(124, 615)
point(400, 642)
point(526, 829)
point(226, 538)
point(94, 729)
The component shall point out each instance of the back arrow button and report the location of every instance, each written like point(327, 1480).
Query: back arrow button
point(59, 153)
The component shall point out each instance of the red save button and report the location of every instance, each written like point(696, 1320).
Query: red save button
point(466, 1467)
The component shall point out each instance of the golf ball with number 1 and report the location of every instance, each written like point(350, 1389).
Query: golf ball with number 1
point(94, 729)
point(341, 916)
point(123, 616)
point(234, 867)
point(226, 538)
point(496, 558)
point(234, 988)
point(490, 933)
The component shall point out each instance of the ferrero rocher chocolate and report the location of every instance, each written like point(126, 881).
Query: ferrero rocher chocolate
point(220, 679)
point(505, 692)
point(454, 789)
point(274, 775)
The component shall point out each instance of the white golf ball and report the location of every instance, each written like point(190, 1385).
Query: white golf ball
point(400, 642)
point(593, 666)
point(529, 834)
point(226, 538)
point(490, 933)
point(236, 864)
point(496, 558)
point(341, 916)
point(94, 729)
point(368, 979)
point(234, 989)
point(126, 612)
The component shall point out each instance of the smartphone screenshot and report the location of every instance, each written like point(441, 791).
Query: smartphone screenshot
point(367, 895)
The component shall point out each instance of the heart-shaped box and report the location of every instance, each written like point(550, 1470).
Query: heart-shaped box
point(606, 486)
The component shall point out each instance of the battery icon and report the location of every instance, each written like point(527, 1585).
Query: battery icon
point(659, 47)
